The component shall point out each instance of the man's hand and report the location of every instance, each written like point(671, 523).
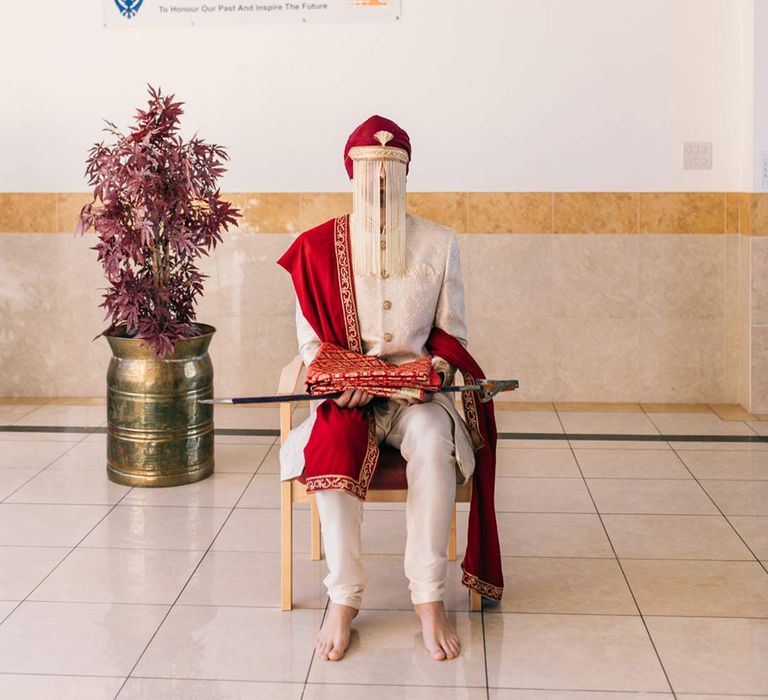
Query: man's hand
point(412, 402)
point(353, 398)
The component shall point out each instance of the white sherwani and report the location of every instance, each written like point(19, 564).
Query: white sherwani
point(396, 316)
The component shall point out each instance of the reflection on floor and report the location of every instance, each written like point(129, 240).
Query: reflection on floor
point(634, 569)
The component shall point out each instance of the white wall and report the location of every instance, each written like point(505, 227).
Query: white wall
point(497, 95)
point(760, 78)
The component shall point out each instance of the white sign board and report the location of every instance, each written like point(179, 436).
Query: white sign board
point(168, 13)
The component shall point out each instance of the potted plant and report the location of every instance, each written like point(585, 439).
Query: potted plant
point(156, 209)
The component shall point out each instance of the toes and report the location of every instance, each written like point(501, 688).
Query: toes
point(438, 655)
point(335, 653)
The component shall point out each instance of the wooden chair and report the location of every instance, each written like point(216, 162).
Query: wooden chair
point(388, 485)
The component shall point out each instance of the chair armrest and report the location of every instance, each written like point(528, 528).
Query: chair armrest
point(289, 376)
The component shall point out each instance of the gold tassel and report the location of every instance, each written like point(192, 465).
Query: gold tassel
point(369, 257)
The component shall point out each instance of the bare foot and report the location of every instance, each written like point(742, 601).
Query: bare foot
point(333, 638)
point(440, 638)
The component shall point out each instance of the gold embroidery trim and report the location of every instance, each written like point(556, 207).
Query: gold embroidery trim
point(469, 400)
point(378, 153)
point(346, 286)
point(335, 481)
point(356, 487)
point(485, 589)
point(371, 454)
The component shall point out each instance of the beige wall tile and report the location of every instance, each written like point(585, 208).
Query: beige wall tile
point(682, 212)
point(759, 370)
point(68, 206)
point(515, 290)
point(732, 211)
point(759, 218)
point(676, 408)
point(447, 208)
point(523, 405)
point(512, 273)
point(735, 327)
point(736, 361)
point(745, 213)
point(682, 276)
point(509, 309)
point(270, 343)
point(595, 276)
point(261, 213)
point(515, 347)
point(318, 207)
point(245, 279)
point(595, 212)
point(266, 213)
point(593, 407)
point(759, 280)
point(681, 360)
point(595, 360)
point(27, 212)
point(733, 245)
point(731, 411)
point(510, 212)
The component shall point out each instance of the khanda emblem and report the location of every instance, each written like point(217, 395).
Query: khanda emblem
point(128, 8)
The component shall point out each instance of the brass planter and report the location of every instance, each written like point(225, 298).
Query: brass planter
point(158, 433)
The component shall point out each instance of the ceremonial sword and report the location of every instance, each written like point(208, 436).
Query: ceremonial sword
point(487, 388)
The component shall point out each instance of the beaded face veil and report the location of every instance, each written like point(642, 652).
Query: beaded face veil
point(378, 229)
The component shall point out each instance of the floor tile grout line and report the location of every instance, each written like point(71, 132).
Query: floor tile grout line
point(367, 555)
point(45, 468)
point(621, 568)
point(314, 651)
point(462, 611)
point(620, 693)
point(61, 561)
point(485, 651)
point(183, 588)
point(376, 510)
point(634, 478)
point(55, 675)
point(752, 438)
point(397, 685)
point(377, 554)
point(714, 503)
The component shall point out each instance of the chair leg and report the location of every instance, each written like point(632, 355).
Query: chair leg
point(475, 601)
point(452, 536)
point(314, 516)
point(286, 546)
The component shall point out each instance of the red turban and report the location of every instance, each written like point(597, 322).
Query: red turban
point(364, 136)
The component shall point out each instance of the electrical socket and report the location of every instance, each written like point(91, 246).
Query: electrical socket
point(697, 155)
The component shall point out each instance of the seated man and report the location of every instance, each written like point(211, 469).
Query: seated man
point(382, 282)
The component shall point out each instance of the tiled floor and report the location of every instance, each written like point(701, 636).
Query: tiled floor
point(634, 569)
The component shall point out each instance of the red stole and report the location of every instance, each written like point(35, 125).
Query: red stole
point(320, 266)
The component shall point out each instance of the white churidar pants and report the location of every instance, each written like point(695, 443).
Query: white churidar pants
point(424, 435)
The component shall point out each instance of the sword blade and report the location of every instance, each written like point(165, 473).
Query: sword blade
point(486, 386)
point(281, 398)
